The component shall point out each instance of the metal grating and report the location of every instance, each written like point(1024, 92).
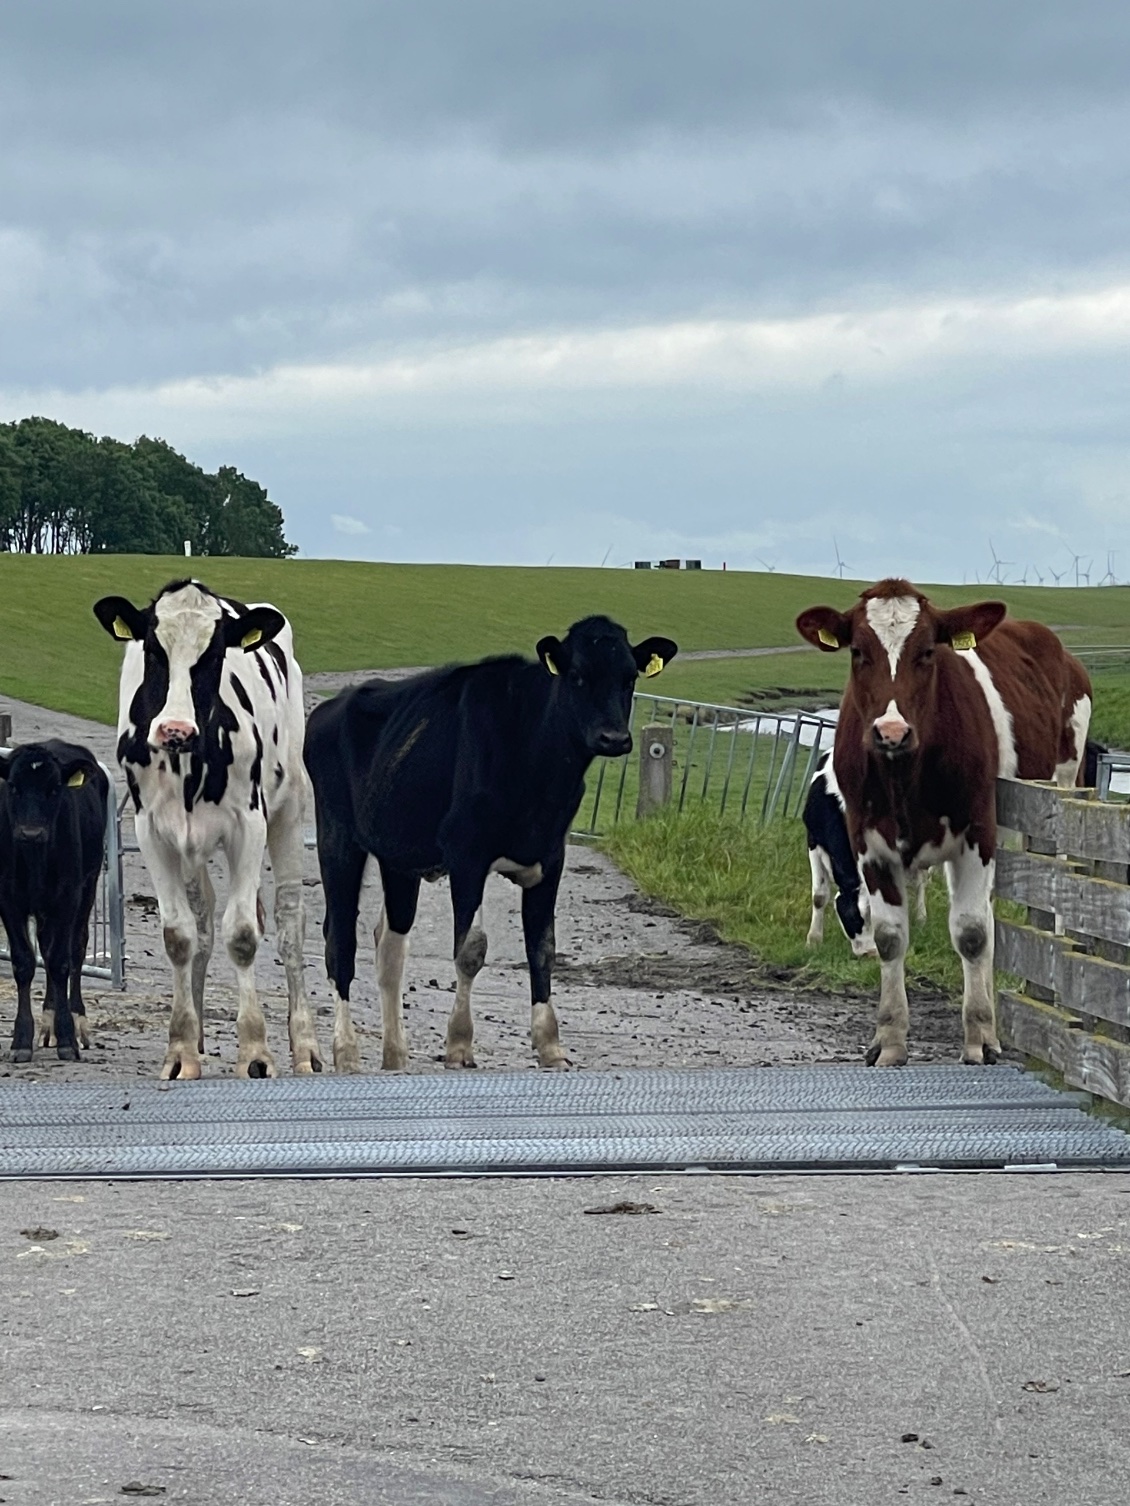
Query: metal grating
point(754, 1119)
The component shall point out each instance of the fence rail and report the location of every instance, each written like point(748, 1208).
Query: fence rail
point(755, 764)
point(1071, 870)
point(106, 949)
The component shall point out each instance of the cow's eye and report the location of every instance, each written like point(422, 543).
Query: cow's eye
point(926, 656)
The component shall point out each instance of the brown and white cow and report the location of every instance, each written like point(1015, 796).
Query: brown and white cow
point(937, 705)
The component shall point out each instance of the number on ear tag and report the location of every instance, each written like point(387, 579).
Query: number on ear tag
point(829, 640)
point(122, 629)
point(654, 666)
point(251, 638)
point(963, 642)
point(77, 780)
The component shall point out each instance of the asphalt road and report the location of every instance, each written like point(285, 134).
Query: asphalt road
point(475, 1341)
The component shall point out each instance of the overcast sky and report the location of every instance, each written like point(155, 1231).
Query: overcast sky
point(521, 280)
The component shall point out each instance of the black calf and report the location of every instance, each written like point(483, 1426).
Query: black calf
point(52, 838)
point(463, 771)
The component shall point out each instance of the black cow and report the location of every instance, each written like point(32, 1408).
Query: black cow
point(833, 864)
point(464, 771)
point(52, 839)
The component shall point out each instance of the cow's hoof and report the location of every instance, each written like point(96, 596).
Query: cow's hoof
point(259, 1065)
point(83, 1033)
point(556, 1063)
point(879, 1055)
point(460, 1056)
point(347, 1057)
point(305, 1065)
point(980, 1056)
point(178, 1065)
point(394, 1061)
point(67, 1053)
point(21, 1053)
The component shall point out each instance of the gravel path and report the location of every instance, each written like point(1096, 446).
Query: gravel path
point(636, 985)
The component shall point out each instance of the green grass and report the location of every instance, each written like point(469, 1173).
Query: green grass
point(752, 884)
point(350, 615)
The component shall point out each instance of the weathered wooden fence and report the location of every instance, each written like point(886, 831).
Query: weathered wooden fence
point(1068, 862)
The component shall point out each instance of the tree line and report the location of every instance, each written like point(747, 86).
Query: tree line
point(62, 491)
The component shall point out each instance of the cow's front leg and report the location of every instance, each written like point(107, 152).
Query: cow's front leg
point(970, 882)
point(470, 955)
point(886, 885)
point(821, 892)
point(242, 934)
point(23, 971)
point(401, 894)
point(202, 901)
point(284, 839)
point(538, 905)
point(178, 931)
point(55, 944)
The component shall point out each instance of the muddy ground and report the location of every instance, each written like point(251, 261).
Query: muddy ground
point(636, 985)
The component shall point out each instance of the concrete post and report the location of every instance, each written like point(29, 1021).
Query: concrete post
point(5, 729)
point(657, 765)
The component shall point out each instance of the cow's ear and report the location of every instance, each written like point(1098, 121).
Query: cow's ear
point(75, 772)
point(554, 655)
point(121, 619)
point(966, 627)
point(653, 655)
point(256, 626)
point(825, 628)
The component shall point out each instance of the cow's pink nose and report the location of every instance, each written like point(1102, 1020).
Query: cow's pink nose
point(891, 731)
point(175, 734)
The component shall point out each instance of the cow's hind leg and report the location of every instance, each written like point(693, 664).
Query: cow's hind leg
point(284, 839)
point(342, 864)
point(467, 887)
point(241, 933)
point(56, 943)
point(538, 905)
point(23, 971)
point(970, 883)
point(821, 892)
point(80, 942)
point(886, 884)
point(401, 895)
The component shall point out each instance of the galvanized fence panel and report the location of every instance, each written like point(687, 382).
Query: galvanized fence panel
point(106, 948)
point(754, 764)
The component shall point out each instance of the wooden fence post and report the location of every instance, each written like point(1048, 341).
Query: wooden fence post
point(657, 764)
point(5, 729)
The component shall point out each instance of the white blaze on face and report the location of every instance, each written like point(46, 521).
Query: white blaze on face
point(892, 619)
point(186, 621)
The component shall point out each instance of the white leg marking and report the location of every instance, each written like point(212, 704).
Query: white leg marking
point(821, 891)
point(970, 884)
point(891, 928)
point(240, 931)
point(347, 1054)
point(178, 924)
point(460, 1025)
point(392, 950)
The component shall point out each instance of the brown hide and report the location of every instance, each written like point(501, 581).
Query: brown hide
point(948, 761)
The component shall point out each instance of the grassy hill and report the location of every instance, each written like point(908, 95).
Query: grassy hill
point(368, 616)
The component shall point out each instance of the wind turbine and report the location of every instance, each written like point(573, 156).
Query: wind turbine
point(766, 563)
point(998, 565)
point(1075, 558)
point(1024, 577)
point(1037, 574)
point(1109, 578)
point(840, 565)
point(1087, 572)
point(1056, 575)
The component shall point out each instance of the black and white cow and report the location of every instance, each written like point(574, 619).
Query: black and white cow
point(53, 807)
point(466, 770)
point(834, 866)
point(210, 724)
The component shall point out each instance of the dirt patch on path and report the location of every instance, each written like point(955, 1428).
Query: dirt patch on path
point(636, 984)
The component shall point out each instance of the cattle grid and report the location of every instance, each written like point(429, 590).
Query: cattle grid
point(106, 950)
point(1068, 863)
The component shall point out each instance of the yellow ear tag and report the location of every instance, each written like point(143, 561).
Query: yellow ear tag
point(549, 664)
point(829, 640)
point(121, 629)
point(963, 642)
point(251, 638)
point(654, 666)
point(77, 780)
